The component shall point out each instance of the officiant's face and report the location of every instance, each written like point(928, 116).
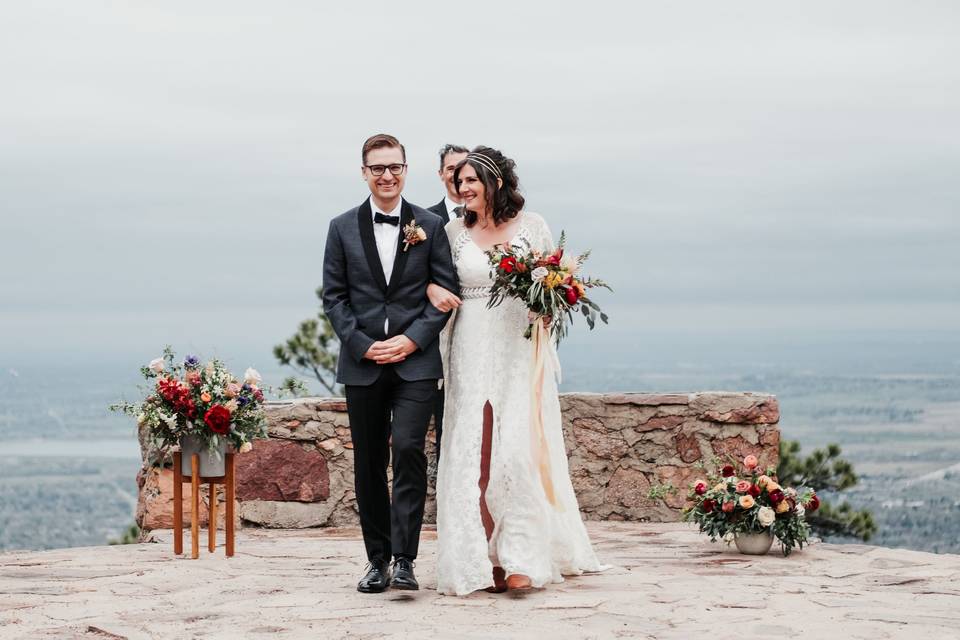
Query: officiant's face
point(446, 172)
point(387, 186)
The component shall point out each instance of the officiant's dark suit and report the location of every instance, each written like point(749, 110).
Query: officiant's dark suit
point(441, 209)
point(364, 308)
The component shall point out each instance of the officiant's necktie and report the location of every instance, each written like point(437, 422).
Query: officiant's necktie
point(379, 218)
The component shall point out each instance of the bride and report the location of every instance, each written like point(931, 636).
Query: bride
point(503, 521)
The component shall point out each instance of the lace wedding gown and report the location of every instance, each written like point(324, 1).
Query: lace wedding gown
point(487, 359)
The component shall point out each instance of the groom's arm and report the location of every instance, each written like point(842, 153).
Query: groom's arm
point(427, 326)
point(336, 298)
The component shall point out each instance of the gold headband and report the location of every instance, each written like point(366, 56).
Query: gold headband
point(486, 162)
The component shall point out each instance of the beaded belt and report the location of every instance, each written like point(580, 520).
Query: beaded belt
point(474, 293)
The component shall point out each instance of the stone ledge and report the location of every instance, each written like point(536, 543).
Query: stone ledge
point(618, 446)
point(666, 581)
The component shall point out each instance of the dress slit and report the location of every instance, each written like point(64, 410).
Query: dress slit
point(486, 448)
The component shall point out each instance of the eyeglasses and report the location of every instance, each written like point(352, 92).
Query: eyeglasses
point(379, 169)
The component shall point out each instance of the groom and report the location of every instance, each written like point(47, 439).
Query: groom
point(379, 259)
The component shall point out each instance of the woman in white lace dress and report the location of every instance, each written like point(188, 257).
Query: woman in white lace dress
point(496, 527)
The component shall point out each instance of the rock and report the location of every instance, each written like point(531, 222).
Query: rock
point(282, 470)
point(688, 447)
point(738, 448)
point(628, 488)
point(737, 408)
point(591, 435)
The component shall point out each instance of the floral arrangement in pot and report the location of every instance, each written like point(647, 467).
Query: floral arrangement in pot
point(751, 507)
point(202, 408)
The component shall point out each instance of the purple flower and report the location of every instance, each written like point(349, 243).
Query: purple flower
point(191, 362)
point(242, 401)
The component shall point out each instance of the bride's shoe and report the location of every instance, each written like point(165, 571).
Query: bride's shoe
point(499, 581)
point(519, 582)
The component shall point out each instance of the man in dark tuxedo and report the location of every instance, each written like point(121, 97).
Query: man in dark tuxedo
point(448, 208)
point(379, 258)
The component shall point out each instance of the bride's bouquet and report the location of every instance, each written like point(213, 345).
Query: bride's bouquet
point(549, 284)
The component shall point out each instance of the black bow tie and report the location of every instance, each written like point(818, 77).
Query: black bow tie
point(379, 217)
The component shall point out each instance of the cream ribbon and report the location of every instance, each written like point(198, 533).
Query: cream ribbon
point(538, 439)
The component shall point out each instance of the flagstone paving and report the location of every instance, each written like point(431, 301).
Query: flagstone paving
point(666, 581)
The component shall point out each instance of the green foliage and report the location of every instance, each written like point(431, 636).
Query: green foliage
point(312, 352)
point(130, 536)
point(825, 470)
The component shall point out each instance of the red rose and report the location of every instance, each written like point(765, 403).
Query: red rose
point(700, 489)
point(572, 296)
point(217, 418)
point(708, 505)
point(776, 496)
point(508, 264)
point(754, 491)
point(813, 504)
point(553, 260)
point(727, 471)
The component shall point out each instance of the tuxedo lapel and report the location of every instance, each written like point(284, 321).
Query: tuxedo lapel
point(369, 242)
point(400, 260)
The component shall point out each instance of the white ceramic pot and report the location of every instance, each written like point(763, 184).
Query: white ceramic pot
point(212, 462)
point(754, 544)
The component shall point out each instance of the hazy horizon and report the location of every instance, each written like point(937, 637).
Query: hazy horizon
point(168, 171)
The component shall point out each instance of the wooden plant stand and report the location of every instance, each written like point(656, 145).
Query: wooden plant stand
point(229, 482)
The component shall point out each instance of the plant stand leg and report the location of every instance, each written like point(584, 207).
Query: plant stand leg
point(231, 498)
point(195, 506)
point(177, 504)
point(212, 519)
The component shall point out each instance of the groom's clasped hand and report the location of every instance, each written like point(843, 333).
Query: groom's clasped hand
point(391, 351)
point(393, 273)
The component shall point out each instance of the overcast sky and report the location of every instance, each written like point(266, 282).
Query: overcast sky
point(167, 170)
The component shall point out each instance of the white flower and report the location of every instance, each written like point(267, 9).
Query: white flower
point(766, 516)
point(252, 376)
point(800, 511)
point(245, 447)
point(171, 420)
point(569, 264)
point(156, 365)
point(539, 274)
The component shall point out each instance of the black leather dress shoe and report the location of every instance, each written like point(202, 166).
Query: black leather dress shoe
point(403, 577)
point(377, 578)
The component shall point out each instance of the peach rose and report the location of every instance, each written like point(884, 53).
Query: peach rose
point(743, 486)
point(772, 486)
point(762, 481)
point(206, 397)
point(783, 507)
point(232, 390)
point(746, 501)
point(751, 462)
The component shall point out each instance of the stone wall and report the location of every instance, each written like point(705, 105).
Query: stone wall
point(619, 445)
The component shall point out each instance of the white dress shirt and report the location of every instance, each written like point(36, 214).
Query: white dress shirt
point(387, 237)
point(451, 205)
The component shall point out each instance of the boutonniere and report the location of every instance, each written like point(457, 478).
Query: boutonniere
point(413, 234)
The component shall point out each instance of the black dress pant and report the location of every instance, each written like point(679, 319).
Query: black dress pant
point(438, 419)
point(397, 410)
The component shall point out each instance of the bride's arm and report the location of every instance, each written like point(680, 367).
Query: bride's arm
point(441, 298)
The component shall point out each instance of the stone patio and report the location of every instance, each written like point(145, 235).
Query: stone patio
point(666, 582)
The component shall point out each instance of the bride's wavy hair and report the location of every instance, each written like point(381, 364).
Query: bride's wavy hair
point(503, 202)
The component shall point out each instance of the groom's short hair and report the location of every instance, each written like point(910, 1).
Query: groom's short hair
point(451, 148)
point(380, 141)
